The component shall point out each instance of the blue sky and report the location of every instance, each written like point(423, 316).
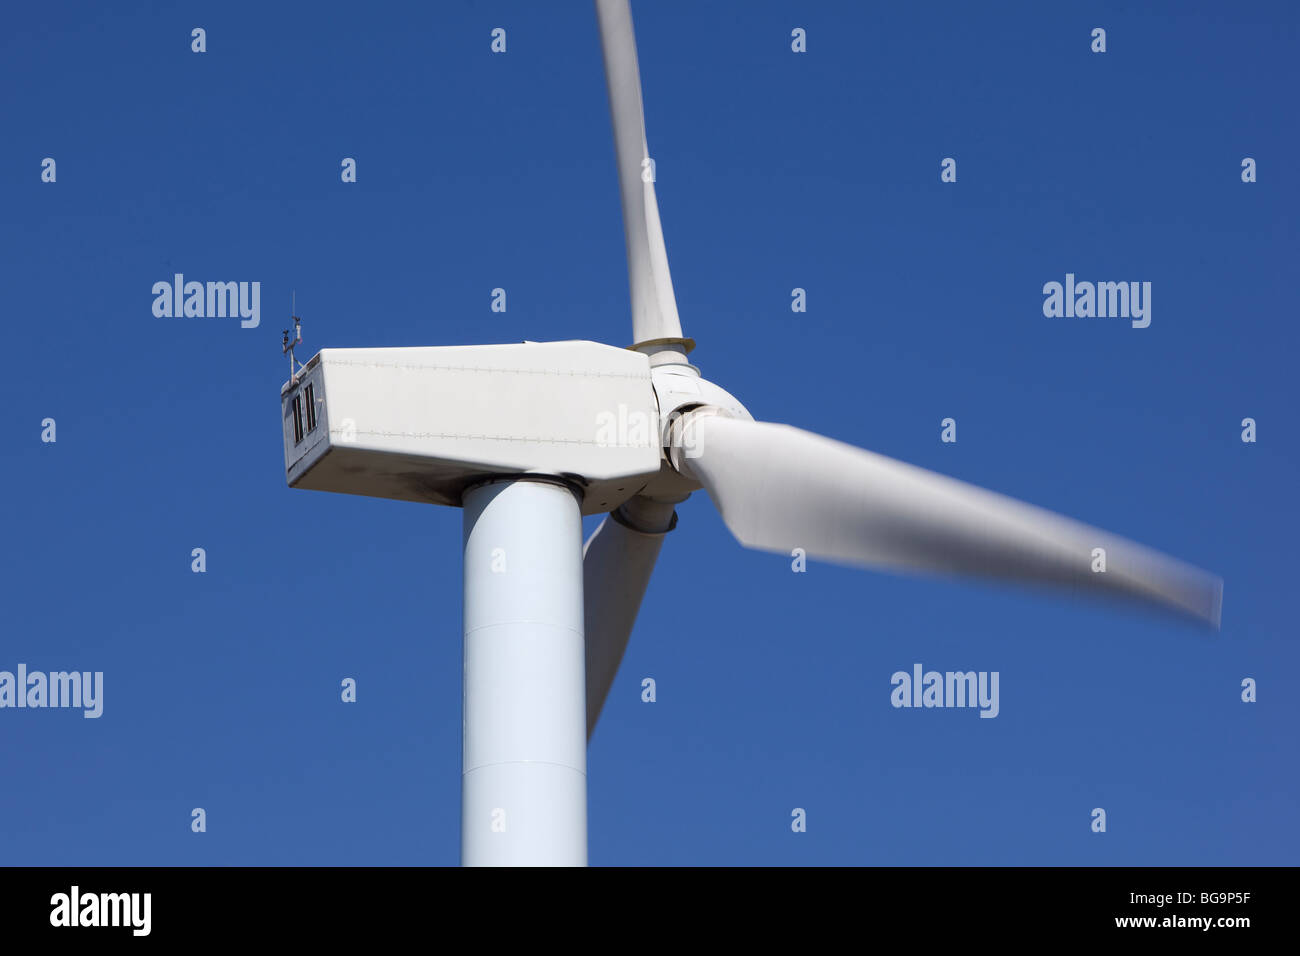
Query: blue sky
point(775, 170)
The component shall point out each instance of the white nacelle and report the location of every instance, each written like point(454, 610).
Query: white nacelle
point(424, 424)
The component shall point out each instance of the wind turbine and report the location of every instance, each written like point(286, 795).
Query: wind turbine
point(527, 438)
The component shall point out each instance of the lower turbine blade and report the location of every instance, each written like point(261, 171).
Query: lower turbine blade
point(780, 488)
point(616, 565)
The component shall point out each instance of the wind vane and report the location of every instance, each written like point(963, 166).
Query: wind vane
point(287, 346)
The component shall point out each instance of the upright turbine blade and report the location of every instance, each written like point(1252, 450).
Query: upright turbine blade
point(617, 561)
point(780, 488)
point(654, 307)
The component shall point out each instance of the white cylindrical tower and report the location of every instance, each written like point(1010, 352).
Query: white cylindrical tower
point(524, 776)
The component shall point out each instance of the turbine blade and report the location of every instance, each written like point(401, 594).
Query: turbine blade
point(654, 307)
point(780, 488)
point(617, 561)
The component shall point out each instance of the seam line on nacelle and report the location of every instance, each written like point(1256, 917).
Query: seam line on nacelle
point(575, 373)
point(451, 435)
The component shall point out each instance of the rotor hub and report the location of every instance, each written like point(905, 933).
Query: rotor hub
point(683, 395)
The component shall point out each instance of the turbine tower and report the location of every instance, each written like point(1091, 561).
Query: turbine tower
point(527, 438)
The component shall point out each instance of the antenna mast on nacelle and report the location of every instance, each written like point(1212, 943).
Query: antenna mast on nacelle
point(288, 345)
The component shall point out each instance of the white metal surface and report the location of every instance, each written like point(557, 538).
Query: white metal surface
point(617, 562)
point(780, 488)
point(524, 783)
point(313, 440)
point(654, 306)
point(423, 424)
point(679, 387)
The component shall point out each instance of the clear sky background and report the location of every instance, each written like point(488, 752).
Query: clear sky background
point(775, 170)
